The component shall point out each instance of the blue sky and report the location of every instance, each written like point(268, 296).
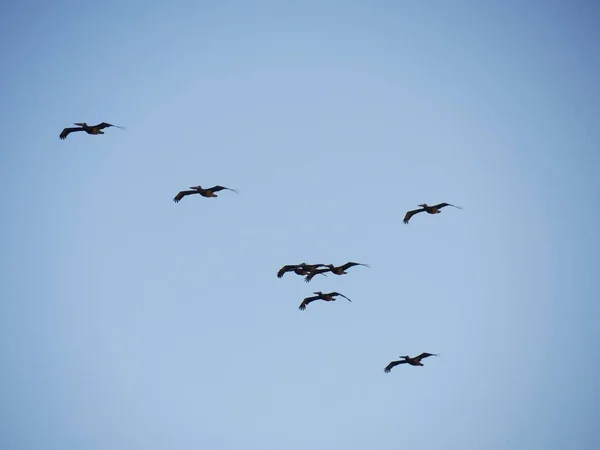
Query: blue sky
point(130, 322)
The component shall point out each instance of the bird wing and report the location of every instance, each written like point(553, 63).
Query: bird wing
point(312, 266)
point(425, 355)
point(220, 188)
point(183, 194)
point(392, 365)
point(310, 276)
point(285, 269)
point(441, 205)
point(307, 300)
point(66, 131)
point(341, 295)
point(351, 264)
point(103, 125)
point(409, 214)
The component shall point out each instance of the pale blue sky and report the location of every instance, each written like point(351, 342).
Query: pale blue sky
point(130, 322)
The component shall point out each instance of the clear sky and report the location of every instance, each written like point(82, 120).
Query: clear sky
point(130, 322)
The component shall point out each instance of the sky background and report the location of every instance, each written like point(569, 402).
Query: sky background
point(130, 322)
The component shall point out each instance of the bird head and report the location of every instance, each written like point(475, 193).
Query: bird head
point(196, 187)
point(405, 357)
point(424, 205)
point(318, 292)
point(81, 124)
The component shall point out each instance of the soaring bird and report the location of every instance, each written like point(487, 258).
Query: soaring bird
point(341, 270)
point(210, 192)
point(89, 129)
point(416, 361)
point(298, 269)
point(330, 297)
point(428, 209)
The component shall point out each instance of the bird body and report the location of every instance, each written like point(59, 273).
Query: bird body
point(89, 129)
point(329, 297)
point(416, 361)
point(435, 209)
point(210, 192)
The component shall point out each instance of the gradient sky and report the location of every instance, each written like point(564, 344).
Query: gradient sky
point(130, 322)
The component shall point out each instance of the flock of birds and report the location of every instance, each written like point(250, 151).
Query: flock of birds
point(308, 271)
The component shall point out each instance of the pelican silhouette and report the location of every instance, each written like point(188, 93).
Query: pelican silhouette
point(210, 192)
point(329, 297)
point(89, 129)
point(416, 361)
point(435, 209)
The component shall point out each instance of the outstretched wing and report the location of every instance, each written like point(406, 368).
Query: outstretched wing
point(441, 205)
point(66, 131)
point(310, 276)
point(306, 301)
point(103, 125)
point(391, 365)
point(352, 264)
point(341, 295)
point(409, 214)
point(285, 269)
point(183, 194)
point(425, 355)
point(220, 188)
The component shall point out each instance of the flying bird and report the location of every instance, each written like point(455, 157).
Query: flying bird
point(330, 297)
point(341, 270)
point(416, 361)
point(298, 269)
point(89, 129)
point(428, 209)
point(210, 192)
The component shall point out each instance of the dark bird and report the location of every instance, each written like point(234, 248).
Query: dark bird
point(428, 209)
point(89, 129)
point(341, 270)
point(210, 192)
point(416, 361)
point(298, 269)
point(330, 297)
